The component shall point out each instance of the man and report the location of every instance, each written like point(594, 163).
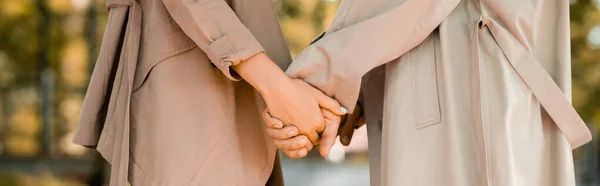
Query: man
point(476, 92)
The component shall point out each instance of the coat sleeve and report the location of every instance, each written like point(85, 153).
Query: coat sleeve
point(335, 63)
point(216, 29)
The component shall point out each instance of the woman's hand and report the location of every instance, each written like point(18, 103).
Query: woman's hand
point(294, 105)
point(283, 136)
point(287, 138)
point(292, 101)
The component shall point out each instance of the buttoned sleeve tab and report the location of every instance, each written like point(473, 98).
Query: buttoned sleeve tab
point(216, 29)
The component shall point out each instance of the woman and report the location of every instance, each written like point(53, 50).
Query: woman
point(476, 92)
point(165, 105)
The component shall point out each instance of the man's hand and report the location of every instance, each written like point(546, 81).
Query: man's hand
point(350, 123)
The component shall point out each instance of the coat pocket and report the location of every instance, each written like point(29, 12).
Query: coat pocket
point(423, 64)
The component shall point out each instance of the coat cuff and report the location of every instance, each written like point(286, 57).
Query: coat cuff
point(314, 67)
point(231, 49)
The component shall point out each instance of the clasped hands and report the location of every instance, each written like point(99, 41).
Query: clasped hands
point(309, 118)
point(298, 116)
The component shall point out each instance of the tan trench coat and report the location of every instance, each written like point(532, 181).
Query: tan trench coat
point(161, 113)
point(473, 92)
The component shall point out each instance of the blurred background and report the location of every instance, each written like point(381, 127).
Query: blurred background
point(48, 49)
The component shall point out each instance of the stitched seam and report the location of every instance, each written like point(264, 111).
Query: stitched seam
point(486, 142)
point(175, 52)
point(235, 52)
point(216, 143)
point(157, 19)
point(209, 22)
point(214, 27)
point(142, 169)
point(165, 57)
point(150, 30)
point(487, 128)
point(434, 86)
point(346, 14)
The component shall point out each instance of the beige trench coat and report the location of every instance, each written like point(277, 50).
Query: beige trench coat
point(475, 92)
point(162, 114)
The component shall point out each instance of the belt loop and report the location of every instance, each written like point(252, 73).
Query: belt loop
point(115, 3)
point(484, 19)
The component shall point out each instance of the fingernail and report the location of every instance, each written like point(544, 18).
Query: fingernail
point(325, 153)
point(344, 109)
point(302, 142)
point(302, 153)
point(346, 139)
point(278, 125)
point(291, 133)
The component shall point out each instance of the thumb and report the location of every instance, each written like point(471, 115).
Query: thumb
point(329, 134)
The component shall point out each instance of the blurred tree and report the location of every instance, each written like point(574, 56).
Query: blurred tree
point(60, 38)
point(44, 66)
point(302, 20)
point(585, 56)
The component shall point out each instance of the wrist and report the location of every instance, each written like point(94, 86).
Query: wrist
point(263, 74)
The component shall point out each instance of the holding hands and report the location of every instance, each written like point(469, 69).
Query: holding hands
point(295, 145)
point(299, 116)
point(300, 105)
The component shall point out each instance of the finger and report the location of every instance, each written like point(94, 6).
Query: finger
point(280, 144)
point(271, 121)
point(347, 130)
point(323, 100)
point(294, 143)
point(308, 146)
point(283, 134)
point(300, 153)
point(352, 122)
point(330, 118)
point(314, 137)
point(361, 119)
point(360, 122)
point(318, 129)
point(330, 133)
point(329, 103)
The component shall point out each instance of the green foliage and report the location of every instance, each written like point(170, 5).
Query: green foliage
point(585, 60)
point(36, 35)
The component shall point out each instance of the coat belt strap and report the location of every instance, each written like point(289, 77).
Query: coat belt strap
point(542, 86)
point(114, 3)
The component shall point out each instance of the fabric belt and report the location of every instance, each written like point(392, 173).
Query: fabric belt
point(115, 3)
point(541, 84)
point(476, 108)
point(535, 77)
point(115, 139)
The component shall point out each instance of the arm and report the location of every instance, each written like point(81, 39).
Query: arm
point(216, 29)
point(336, 63)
